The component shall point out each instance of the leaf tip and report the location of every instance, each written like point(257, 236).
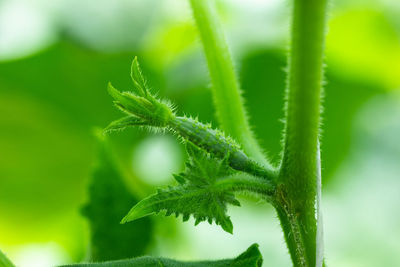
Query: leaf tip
point(227, 226)
point(124, 220)
point(252, 256)
point(112, 91)
point(137, 78)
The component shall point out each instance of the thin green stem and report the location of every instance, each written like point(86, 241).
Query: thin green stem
point(225, 87)
point(299, 173)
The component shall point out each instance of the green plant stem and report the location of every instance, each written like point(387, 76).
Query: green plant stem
point(217, 144)
point(249, 184)
point(225, 87)
point(299, 180)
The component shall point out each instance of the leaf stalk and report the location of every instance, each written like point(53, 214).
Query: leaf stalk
point(226, 91)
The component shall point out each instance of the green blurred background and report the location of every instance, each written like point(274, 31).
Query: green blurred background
point(56, 58)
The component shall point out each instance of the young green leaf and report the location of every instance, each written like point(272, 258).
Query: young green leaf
point(206, 203)
point(198, 193)
point(121, 124)
point(250, 258)
point(137, 78)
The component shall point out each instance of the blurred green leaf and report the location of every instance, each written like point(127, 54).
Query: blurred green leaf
point(49, 104)
point(4, 261)
point(140, 87)
point(108, 202)
point(363, 43)
point(250, 258)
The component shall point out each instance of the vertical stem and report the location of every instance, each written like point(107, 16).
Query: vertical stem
point(226, 91)
point(299, 174)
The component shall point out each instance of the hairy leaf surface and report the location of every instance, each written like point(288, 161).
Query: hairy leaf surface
point(250, 258)
point(125, 122)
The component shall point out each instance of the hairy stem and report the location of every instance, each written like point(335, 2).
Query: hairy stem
point(247, 183)
point(299, 173)
point(214, 142)
point(225, 87)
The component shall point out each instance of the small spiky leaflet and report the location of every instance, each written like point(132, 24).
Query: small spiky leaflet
point(198, 193)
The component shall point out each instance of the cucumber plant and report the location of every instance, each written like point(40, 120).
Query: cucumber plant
point(226, 161)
